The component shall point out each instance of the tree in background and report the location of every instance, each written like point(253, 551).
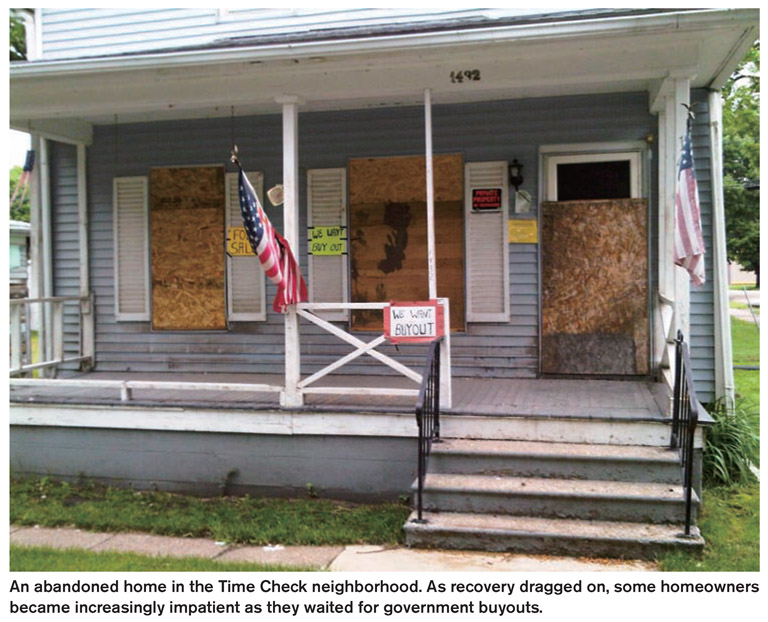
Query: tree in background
point(741, 162)
point(20, 206)
point(18, 35)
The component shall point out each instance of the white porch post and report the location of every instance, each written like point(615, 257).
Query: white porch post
point(724, 381)
point(667, 101)
point(682, 280)
point(44, 247)
point(431, 269)
point(446, 397)
point(291, 395)
point(87, 327)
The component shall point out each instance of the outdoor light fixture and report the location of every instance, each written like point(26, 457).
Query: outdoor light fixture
point(516, 174)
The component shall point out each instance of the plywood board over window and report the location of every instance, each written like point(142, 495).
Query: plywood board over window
point(388, 233)
point(187, 248)
point(595, 287)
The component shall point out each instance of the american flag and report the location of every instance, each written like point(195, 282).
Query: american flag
point(689, 241)
point(271, 248)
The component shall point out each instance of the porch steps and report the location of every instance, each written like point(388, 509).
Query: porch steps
point(630, 463)
point(558, 428)
point(562, 498)
point(547, 536)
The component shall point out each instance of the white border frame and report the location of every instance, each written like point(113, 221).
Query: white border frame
point(552, 155)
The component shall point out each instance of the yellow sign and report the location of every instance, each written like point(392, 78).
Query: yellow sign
point(237, 243)
point(328, 240)
point(523, 232)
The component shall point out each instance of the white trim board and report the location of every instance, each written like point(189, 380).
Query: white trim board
point(212, 420)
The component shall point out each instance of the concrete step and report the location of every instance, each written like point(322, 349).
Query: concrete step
point(535, 535)
point(555, 497)
point(604, 430)
point(631, 463)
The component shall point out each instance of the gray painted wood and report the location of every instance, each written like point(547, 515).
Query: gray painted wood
point(206, 463)
point(84, 32)
point(66, 243)
point(701, 339)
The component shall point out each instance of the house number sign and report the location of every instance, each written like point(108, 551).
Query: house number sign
point(465, 75)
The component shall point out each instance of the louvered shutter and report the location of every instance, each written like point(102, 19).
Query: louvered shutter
point(131, 248)
point(327, 206)
point(246, 287)
point(487, 250)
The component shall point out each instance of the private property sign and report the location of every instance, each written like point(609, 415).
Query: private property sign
point(414, 322)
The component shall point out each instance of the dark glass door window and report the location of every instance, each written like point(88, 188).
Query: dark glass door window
point(593, 180)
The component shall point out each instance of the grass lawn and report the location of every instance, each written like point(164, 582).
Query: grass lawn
point(730, 523)
point(746, 351)
point(730, 519)
point(34, 559)
point(248, 520)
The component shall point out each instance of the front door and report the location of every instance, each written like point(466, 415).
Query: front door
point(594, 266)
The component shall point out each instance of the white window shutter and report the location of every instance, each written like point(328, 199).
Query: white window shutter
point(131, 240)
point(246, 285)
point(487, 258)
point(327, 206)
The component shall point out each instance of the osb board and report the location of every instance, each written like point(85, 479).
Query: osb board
point(388, 233)
point(595, 287)
point(187, 242)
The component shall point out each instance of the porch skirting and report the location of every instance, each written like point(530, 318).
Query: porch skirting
point(358, 468)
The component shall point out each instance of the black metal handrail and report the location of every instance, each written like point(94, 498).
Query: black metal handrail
point(428, 418)
point(685, 418)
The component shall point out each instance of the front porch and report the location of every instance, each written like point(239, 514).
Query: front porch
point(510, 397)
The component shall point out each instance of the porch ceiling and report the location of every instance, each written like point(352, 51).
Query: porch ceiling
point(65, 98)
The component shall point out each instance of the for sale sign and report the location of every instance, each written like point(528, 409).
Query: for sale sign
point(414, 322)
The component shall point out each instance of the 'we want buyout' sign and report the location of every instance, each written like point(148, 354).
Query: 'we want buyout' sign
point(414, 322)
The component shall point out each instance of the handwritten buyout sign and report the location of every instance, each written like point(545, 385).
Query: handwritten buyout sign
point(414, 322)
point(328, 240)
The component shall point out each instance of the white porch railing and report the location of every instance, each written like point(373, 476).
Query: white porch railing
point(307, 311)
point(22, 362)
point(53, 354)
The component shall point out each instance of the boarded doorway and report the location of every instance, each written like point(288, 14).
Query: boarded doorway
point(187, 242)
point(388, 233)
point(595, 287)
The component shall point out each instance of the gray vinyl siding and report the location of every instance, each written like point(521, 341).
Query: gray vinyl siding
point(481, 132)
point(69, 33)
point(66, 243)
point(702, 337)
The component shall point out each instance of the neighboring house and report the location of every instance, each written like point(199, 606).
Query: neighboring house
point(552, 141)
point(19, 258)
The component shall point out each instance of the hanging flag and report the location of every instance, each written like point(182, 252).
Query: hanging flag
point(689, 241)
point(271, 248)
point(26, 172)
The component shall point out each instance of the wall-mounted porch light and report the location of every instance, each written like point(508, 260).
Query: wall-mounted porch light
point(516, 174)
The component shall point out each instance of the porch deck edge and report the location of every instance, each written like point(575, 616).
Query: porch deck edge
point(207, 419)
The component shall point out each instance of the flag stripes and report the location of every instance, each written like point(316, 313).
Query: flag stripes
point(271, 248)
point(689, 241)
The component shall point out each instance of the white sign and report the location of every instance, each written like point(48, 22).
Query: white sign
point(413, 322)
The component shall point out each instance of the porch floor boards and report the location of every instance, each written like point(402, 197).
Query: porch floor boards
point(592, 399)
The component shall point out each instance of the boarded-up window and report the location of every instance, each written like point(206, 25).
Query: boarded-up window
point(487, 249)
point(130, 202)
point(388, 233)
point(245, 277)
point(328, 265)
point(187, 246)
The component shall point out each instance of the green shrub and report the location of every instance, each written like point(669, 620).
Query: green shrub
point(732, 445)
